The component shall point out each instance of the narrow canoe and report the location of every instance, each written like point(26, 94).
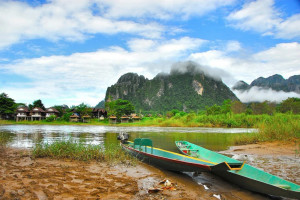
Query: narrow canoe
point(242, 174)
point(165, 159)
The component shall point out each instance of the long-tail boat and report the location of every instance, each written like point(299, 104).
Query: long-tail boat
point(143, 149)
point(241, 173)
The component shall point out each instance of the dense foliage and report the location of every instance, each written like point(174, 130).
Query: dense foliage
point(37, 103)
point(119, 107)
point(7, 106)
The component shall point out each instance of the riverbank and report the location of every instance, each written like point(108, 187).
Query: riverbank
point(280, 158)
point(23, 177)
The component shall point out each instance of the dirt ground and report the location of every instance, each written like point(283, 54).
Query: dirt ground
point(22, 177)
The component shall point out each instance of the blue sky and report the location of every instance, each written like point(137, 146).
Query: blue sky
point(69, 52)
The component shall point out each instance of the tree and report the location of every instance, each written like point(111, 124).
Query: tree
point(119, 107)
point(265, 107)
point(61, 109)
point(290, 105)
point(213, 110)
point(7, 106)
point(226, 106)
point(83, 109)
point(238, 107)
point(37, 103)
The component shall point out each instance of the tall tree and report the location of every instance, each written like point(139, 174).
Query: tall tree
point(290, 105)
point(238, 107)
point(83, 109)
point(7, 106)
point(120, 107)
point(37, 103)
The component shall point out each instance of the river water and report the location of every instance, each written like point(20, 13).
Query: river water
point(26, 136)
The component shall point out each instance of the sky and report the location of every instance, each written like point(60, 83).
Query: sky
point(70, 51)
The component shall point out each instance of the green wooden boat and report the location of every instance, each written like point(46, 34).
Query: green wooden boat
point(242, 174)
point(143, 149)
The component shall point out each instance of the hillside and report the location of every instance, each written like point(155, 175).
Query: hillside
point(275, 82)
point(186, 91)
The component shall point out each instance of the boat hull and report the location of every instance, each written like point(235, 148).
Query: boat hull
point(256, 186)
point(165, 162)
point(246, 176)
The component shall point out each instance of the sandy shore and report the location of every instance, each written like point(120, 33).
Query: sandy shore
point(22, 177)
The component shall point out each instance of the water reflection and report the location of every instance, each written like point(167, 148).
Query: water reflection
point(26, 136)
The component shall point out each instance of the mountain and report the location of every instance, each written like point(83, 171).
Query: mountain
point(101, 104)
point(275, 82)
point(186, 91)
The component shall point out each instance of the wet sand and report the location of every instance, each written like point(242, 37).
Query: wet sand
point(22, 177)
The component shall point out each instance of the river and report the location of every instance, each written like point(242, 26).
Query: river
point(26, 136)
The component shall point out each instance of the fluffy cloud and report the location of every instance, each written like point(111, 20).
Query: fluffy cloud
point(261, 16)
point(282, 59)
point(87, 75)
point(78, 20)
point(56, 20)
point(160, 9)
point(256, 94)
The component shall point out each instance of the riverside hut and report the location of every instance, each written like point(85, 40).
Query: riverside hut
point(124, 119)
point(113, 119)
point(74, 118)
point(51, 111)
point(22, 113)
point(136, 118)
point(37, 114)
point(86, 118)
point(98, 112)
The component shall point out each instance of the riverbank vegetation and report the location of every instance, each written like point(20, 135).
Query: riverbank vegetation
point(77, 150)
point(274, 121)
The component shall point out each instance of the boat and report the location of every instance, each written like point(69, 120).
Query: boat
point(240, 173)
point(142, 148)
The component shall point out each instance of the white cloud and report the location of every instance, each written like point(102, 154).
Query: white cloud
point(282, 59)
point(86, 76)
point(290, 28)
point(57, 20)
point(78, 20)
point(233, 46)
point(257, 94)
point(160, 9)
point(261, 16)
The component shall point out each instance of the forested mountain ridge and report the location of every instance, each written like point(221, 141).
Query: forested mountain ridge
point(186, 91)
point(275, 82)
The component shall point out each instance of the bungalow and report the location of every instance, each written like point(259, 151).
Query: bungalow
point(86, 118)
point(124, 119)
point(37, 114)
point(74, 118)
point(113, 119)
point(51, 111)
point(136, 118)
point(22, 113)
point(99, 112)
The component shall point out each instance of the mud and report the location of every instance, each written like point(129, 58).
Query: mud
point(22, 177)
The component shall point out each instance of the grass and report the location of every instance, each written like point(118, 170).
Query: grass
point(4, 139)
point(277, 128)
point(70, 149)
